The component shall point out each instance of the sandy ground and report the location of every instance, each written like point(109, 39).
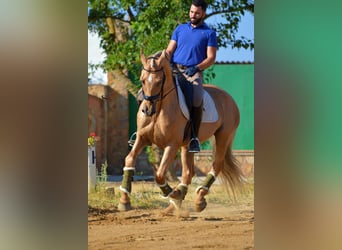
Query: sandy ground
point(219, 226)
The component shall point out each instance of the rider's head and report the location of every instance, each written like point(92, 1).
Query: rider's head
point(200, 3)
point(197, 11)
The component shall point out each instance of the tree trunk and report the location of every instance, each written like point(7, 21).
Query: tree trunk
point(117, 75)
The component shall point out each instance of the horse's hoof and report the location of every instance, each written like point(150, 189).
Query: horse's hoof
point(199, 207)
point(176, 203)
point(175, 206)
point(169, 210)
point(124, 206)
point(176, 195)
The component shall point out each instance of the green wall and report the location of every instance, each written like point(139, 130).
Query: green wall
point(237, 80)
point(133, 109)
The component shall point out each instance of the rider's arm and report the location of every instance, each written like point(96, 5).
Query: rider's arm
point(210, 60)
point(171, 48)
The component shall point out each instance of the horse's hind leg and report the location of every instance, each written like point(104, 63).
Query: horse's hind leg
point(221, 147)
point(128, 172)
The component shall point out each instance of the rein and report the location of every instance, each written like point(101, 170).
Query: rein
point(153, 71)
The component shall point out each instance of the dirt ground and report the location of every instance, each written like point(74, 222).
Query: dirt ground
point(219, 226)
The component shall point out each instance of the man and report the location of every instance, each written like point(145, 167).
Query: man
point(192, 49)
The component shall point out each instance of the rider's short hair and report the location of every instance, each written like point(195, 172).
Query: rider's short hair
point(200, 3)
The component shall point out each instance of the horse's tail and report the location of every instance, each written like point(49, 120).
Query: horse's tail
point(231, 175)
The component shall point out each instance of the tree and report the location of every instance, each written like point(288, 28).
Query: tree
point(126, 26)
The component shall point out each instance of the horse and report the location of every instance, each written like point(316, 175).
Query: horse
point(160, 121)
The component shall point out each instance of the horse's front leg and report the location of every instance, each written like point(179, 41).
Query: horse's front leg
point(179, 193)
point(128, 172)
point(187, 174)
point(167, 158)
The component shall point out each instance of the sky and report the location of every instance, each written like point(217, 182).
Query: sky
point(246, 29)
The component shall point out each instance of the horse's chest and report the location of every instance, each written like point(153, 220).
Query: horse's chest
point(159, 131)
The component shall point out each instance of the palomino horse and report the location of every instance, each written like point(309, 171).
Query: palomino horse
point(160, 121)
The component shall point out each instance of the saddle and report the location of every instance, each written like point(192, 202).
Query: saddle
point(185, 95)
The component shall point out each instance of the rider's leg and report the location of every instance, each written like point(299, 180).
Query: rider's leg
point(196, 113)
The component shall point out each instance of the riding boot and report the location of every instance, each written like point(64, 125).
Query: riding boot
point(196, 117)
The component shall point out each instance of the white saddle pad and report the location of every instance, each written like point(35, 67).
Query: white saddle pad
point(209, 110)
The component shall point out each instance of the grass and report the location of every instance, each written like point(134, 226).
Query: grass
point(146, 195)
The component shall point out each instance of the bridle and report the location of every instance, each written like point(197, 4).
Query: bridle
point(154, 98)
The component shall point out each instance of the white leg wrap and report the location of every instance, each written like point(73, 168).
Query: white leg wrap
point(183, 185)
point(212, 173)
point(201, 187)
point(128, 168)
point(124, 190)
point(163, 185)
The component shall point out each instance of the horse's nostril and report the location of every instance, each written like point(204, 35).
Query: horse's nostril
point(147, 111)
point(144, 109)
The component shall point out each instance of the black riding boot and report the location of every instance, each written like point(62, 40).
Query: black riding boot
point(196, 117)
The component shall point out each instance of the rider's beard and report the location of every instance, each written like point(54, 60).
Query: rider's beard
point(196, 21)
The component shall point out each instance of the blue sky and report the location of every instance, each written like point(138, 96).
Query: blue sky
point(246, 29)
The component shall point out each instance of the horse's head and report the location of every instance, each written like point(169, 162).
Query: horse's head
point(153, 76)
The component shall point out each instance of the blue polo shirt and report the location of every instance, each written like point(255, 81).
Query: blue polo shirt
point(192, 43)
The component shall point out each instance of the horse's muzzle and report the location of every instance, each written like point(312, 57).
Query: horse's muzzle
point(149, 111)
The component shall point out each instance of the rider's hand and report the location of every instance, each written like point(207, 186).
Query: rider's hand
point(191, 71)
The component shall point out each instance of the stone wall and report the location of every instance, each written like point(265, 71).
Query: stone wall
point(204, 159)
point(108, 116)
point(95, 125)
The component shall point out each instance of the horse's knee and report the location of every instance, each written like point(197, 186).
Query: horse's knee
point(187, 175)
point(160, 177)
point(191, 173)
point(129, 160)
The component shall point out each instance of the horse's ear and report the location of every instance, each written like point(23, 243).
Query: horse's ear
point(166, 55)
point(163, 54)
point(142, 57)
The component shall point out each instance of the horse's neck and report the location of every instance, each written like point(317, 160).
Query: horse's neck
point(169, 103)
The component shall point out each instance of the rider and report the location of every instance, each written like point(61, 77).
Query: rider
point(192, 49)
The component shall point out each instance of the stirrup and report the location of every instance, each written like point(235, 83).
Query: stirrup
point(132, 140)
point(194, 146)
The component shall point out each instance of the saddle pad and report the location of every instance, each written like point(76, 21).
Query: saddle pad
point(209, 110)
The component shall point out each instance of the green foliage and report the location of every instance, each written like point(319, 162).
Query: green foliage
point(150, 155)
point(206, 145)
point(155, 154)
point(148, 25)
point(101, 178)
point(209, 74)
point(103, 174)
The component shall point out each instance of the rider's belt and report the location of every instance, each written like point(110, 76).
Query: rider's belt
point(180, 66)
